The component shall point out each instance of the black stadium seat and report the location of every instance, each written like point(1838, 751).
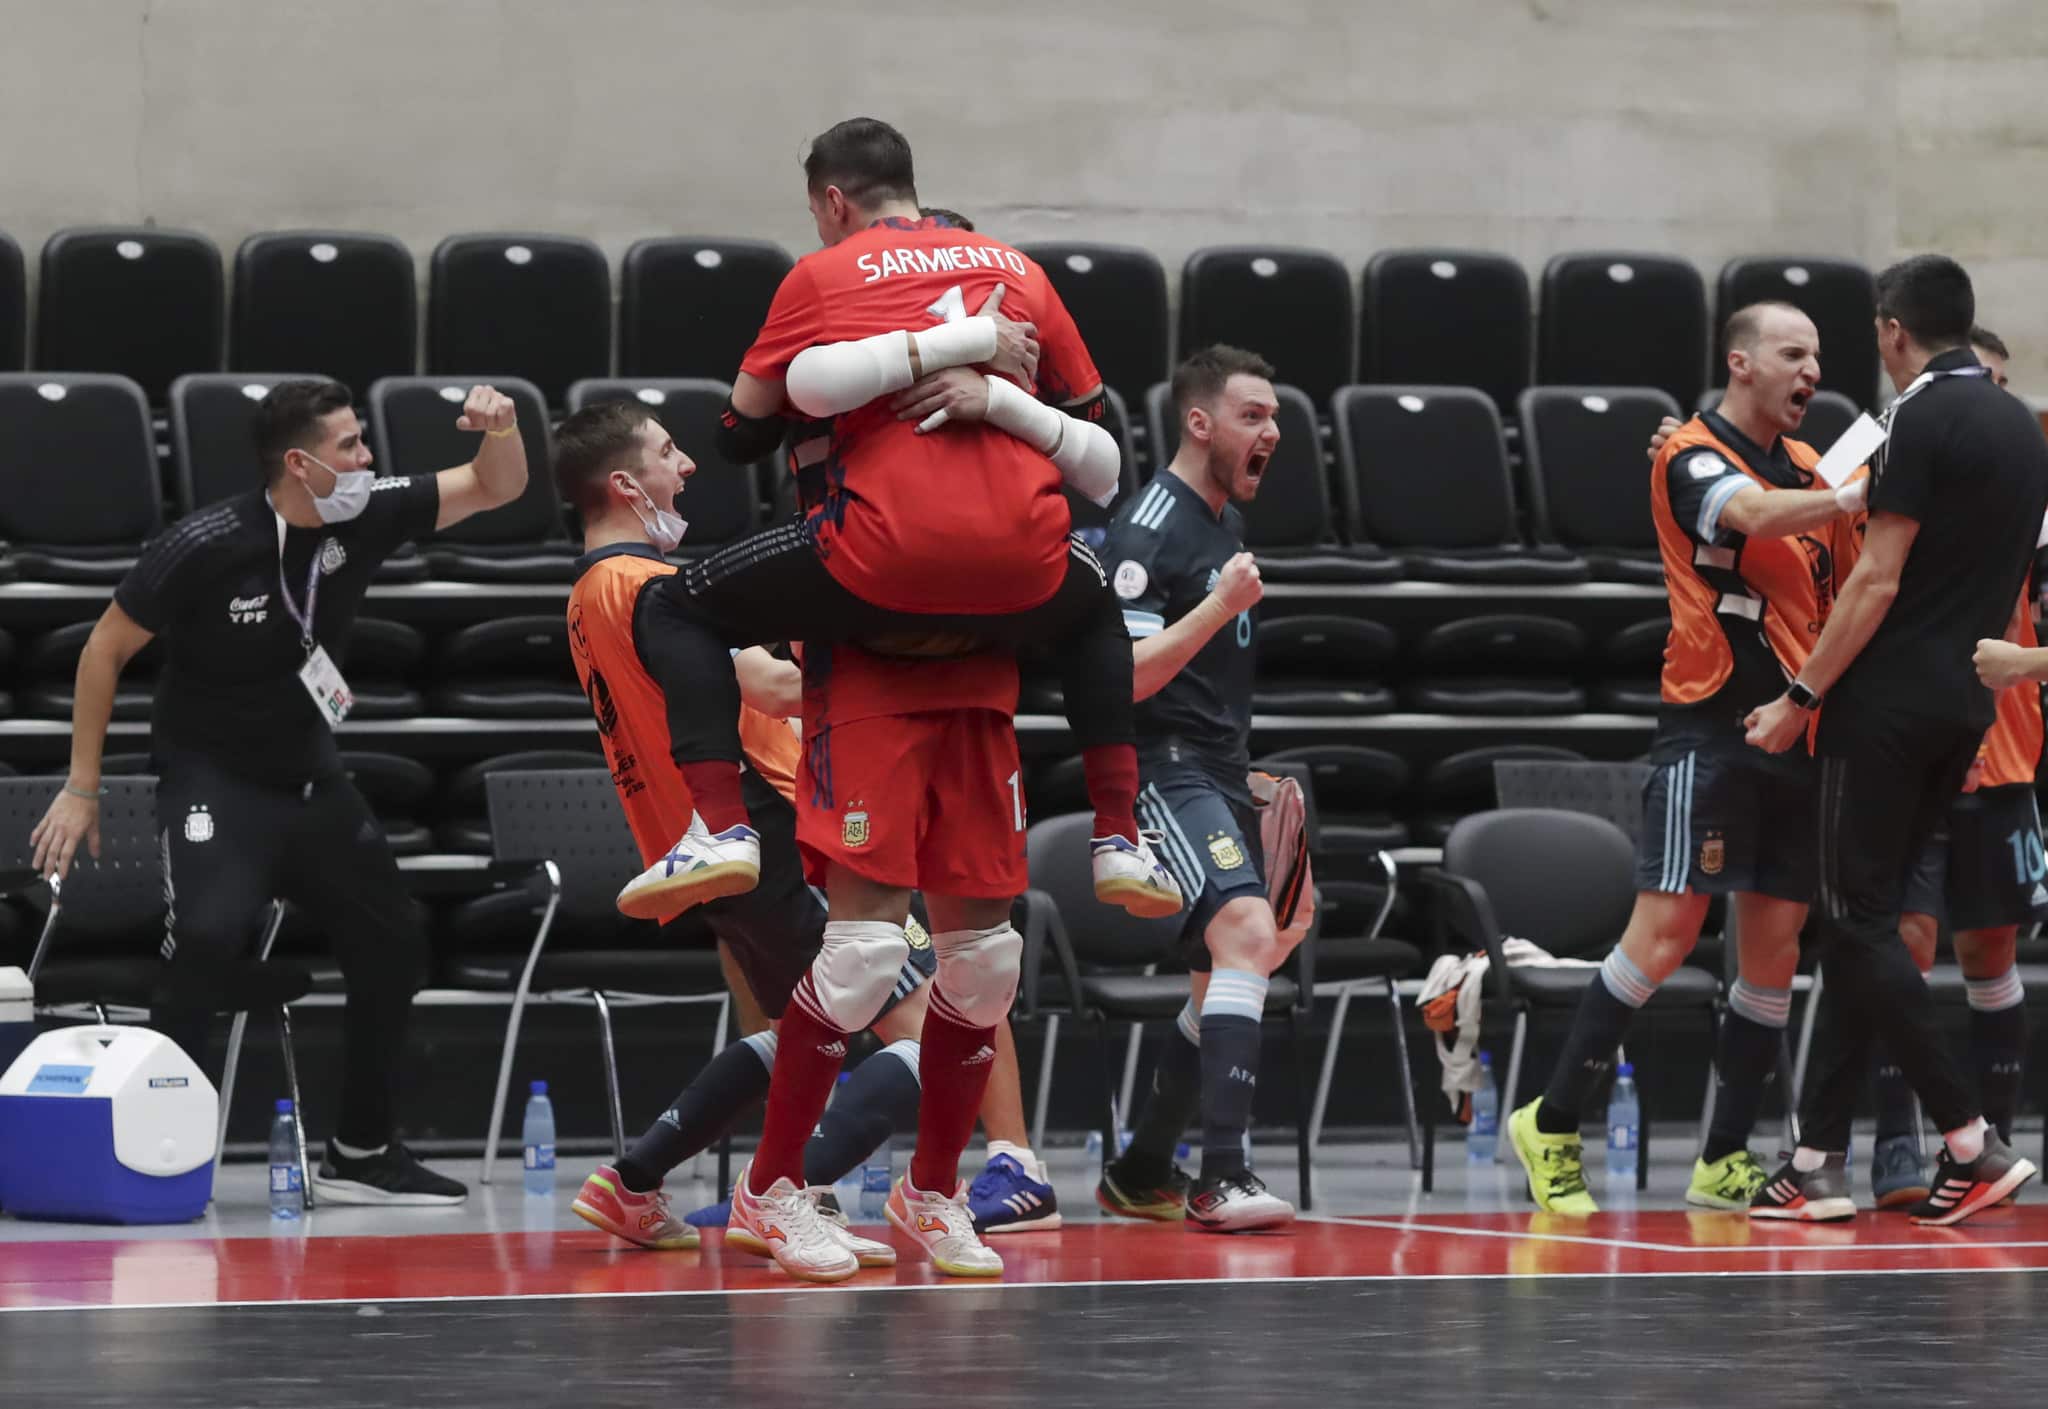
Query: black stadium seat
point(1090, 518)
point(78, 478)
point(721, 501)
point(397, 789)
point(690, 307)
point(412, 432)
point(1322, 664)
point(1462, 784)
point(462, 811)
point(382, 659)
point(1498, 663)
point(1291, 306)
point(1445, 317)
point(1424, 471)
point(1839, 295)
point(1827, 416)
point(1622, 319)
point(13, 306)
point(1589, 474)
point(1117, 295)
point(138, 302)
point(536, 307)
point(49, 673)
point(516, 667)
point(334, 299)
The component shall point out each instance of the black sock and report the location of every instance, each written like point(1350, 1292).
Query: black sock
point(878, 1100)
point(730, 1083)
point(1174, 1102)
point(1998, 1043)
point(1745, 1060)
point(1587, 1059)
point(1231, 1013)
point(1898, 1113)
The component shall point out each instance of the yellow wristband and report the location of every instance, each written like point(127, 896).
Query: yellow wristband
point(500, 435)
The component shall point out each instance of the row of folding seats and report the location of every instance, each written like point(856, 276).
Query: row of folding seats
point(148, 303)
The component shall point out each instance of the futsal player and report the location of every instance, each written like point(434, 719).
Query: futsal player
point(1981, 874)
point(1755, 548)
point(1955, 510)
point(1190, 595)
point(964, 534)
point(254, 598)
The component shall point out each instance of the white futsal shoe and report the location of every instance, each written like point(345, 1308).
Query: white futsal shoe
point(944, 1228)
point(701, 866)
point(869, 1252)
point(1131, 876)
point(785, 1224)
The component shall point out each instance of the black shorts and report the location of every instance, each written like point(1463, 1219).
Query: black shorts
point(1983, 868)
point(775, 930)
point(1211, 846)
point(1718, 818)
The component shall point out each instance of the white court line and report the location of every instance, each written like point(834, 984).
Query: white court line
point(999, 1286)
point(1972, 1246)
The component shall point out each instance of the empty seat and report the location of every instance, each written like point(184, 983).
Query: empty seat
point(1356, 790)
point(1443, 317)
point(382, 659)
point(334, 299)
point(1462, 783)
point(78, 478)
point(1839, 295)
point(1117, 295)
point(1498, 663)
point(49, 670)
point(537, 307)
point(722, 501)
point(690, 307)
point(1322, 664)
point(141, 303)
point(1619, 319)
point(1291, 525)
point(1827, 416)
point(397, 789)
point(516, 667)
point(412, 431)
point(1589, 478)
point(13, 307)
point(1424, 472)
point(1291, 306)
point(463, 824)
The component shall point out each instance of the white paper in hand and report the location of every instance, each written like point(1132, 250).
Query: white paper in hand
point(1855, 447)
point(2041, 538)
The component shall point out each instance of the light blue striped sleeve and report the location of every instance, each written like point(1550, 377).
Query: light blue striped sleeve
point(1142, 624)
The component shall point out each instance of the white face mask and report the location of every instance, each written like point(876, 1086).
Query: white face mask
point(349, 497)
point(667, 530)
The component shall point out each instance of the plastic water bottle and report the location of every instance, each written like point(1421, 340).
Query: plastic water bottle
point(1624, 1122)
point(1093, 1143)
point(539, 1139)
point(1482, 1136)
point(287, 1193)
point(876, 1174)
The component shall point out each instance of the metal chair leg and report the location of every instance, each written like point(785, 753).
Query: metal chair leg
point(1806, 1026)
point(1109, 1111)
point(1127, 1089)
point(611, 1073)
point(512, 1020)
point(235, 1033)
point(1304, 1155)
point(291, 1081)
point(1513, 1093)
point(1407, 1077)
point(1330, 1045)
point(1785, 1091)
point(1043, 1098)
point(1642, 1143)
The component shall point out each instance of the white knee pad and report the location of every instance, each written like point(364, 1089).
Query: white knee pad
point(978, 972)
point(856, 969)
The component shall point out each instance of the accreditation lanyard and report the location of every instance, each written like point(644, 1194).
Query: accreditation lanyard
point(1913, 389)
point(323, 681)
point(284, 590)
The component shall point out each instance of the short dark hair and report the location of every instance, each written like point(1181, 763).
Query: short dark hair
point(287, 418)
point(1930, 295)
point(591, 444)
point(865, 158)
point(950, 217)
point(1746, 323)
point(1204, 374)
point(1981, 336)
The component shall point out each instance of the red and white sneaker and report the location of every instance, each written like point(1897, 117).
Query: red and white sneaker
point(785, 1224)
point(701, 866)
point(643, 1220)
point(944, 1228)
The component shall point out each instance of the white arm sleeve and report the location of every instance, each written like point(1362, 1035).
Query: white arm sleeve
point(1086, 454)
point(837, 377)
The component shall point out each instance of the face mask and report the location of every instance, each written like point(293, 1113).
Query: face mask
point(349, 497)
point(668, 527)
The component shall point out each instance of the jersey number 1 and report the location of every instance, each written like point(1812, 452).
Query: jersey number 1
point(1016, 799)
point(951, 307)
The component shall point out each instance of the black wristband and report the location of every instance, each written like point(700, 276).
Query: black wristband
point(1801, 697)
point(743, 439)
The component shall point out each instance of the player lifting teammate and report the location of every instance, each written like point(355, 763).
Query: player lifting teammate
point(1754, 551)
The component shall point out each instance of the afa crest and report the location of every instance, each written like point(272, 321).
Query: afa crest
point(1225, 852)
point(1713, 855)
point(854, 830)
point(920, 938)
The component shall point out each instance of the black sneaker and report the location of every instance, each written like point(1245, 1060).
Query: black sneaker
point(1959, 1190)
point(1131, 1193)
point(392, 1178)
point(1236, 1203)
point(1809, 1196)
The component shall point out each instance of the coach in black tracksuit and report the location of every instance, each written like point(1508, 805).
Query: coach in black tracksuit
point(1956, 507)
point(250, 596)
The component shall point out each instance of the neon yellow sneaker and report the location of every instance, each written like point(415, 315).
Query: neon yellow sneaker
point(1730, 1182)
point(1555, 1164)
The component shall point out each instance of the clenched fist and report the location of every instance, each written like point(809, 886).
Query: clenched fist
point(1238, 585)
point(489, 410)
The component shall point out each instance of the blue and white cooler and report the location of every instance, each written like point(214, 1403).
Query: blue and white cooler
point(106, 1125)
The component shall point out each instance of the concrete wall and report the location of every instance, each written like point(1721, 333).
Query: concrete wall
point(1817, 126)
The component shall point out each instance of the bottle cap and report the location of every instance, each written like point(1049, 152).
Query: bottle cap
point(284, 1105)
point(1486, 1059)
point(538, 1088)
point(1625, 1069)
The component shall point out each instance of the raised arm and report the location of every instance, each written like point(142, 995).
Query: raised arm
point(497, 475)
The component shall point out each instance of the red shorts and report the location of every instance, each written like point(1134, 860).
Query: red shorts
point(929, 801)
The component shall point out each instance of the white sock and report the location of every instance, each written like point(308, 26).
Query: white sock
point(1806, 1160)
point(351, 1152)
point(1967, 1143)
point(1020, 1153)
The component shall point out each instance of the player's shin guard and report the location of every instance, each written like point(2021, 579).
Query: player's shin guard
point(977, 980)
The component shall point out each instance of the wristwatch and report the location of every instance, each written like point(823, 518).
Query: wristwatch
point(1801, 697)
